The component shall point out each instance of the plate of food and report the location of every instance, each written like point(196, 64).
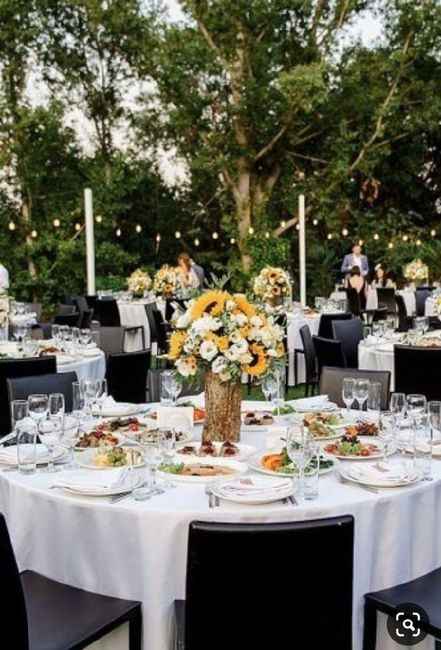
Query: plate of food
point(225, 449)
point(350, 447)
point(195, 470)
point(145, 434)
point(362, 428)
point(253, 490)
point(257, 418)
point(107, 458)
point(278, 463)
point(100, 436)
point(324, 426)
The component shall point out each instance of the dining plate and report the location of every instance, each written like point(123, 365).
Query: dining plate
point(255, 490)
point(245, 451)
point(81, 482)
point(255, 463)
point(235, 468)
point(379, 479)
point(87, 459)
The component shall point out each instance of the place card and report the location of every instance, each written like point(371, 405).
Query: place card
point(179, 418)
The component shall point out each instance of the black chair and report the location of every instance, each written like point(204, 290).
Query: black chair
point(325, 325)
point(86, 314)
point(386, 298)
point(423, 591)
point(162, 332)
point(331, 383)
point(56, 383)
point(111, 339)
point(43, 614)
point(417, 370)
point(421, 295)
point(66, 309)
point(107, 313)
point(14, 368)
point(71, 320)
point(349, 333)
point(308, 352)
point(238, 549)
point(127, 376)
point(404, 320)
point(328, 353)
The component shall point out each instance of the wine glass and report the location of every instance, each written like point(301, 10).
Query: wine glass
point(167, 444)
point(152, 458)
point(416, 407)
point(374, 399)
point(85, 336)
point(56, 334)
point(90, 388)
point(361, 392)
point(386, 433)
point(299, 453)
point(348, 393)
point(19, 411)
point(398, 407)
point(175, 388)
point(38, 407)
point(57, 407)
point(269, 389)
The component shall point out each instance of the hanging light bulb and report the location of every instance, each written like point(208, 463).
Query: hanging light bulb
point(283, 223)
point(138, 228)
point(158, 238)
point(196, 242)
point(405, 237)
point(433, 233)
point(418, 242)
point(118, 232)
point(57, 223)
point(232, 241)
point(11, 225)
point(330, 235)
point(78, 227)
point(360, 242)
point(251, 230)
point(376, 236)
point(34, 234)
point(267, 235)
point(315, 222)
point(345, 232)
point(178, 234)
point(99, 218)
point(215, 235)
point(390, 245)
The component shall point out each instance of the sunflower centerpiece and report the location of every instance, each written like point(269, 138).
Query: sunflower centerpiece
point(272, 285)
point(220, 337)
point(166, 281)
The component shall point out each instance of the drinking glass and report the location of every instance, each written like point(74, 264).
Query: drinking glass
point(167, 445)
point(90, 389)
point(50, 432)
point(416, 406)
point(70, 434)
point(19, 411)
point(269, 389)
point(423, 447)
point(361, 392)
point(57, 406)
point(299, 453)
point(175, 388)
point(56, 334)
point(374, 400)
point(102, 394)
point(434, 410)
point(398, 407)
point(386, 433)
point(280, 395)
point(312, 471)
point(95, 338)
point(38, 407)
point(166, 387)
point(85, 336)
point(75, 338)
point(26, 432)
point(152, 458)
point(348, 393)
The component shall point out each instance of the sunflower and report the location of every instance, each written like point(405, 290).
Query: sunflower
point(280, 349)
point(276, 291)
point(211, 302)
point(176, 344)
point(258, 365)
point(244, 306)
point(222, 343)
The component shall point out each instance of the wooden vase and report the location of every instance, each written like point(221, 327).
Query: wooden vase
point(222, 406)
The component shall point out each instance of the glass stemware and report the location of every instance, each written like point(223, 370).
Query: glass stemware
point(348, 392)
point(386, 433)
point(416, 407)
point(361, 392)
point(374, 400)
point(269, 389)
point(299, 452)
point(90, 389)
point(175, 388)
point(152, 455)
point(398, 407)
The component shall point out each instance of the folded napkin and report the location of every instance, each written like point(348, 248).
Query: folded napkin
point(254, 487)
point(109, 408)
point(379, 473)
point(319, 402)
point(96, 481)
point(9, 455)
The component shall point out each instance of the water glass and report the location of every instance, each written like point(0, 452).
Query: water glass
point(374, 400)
point(75, 338)
point(312, 472)
point(152, 459)
point(416, 406)
point(299, 453)
point(166, 387)
point(386, 433)
point(434, 410)
point(70, 434)
point(85, 336)
point(348, 392)
point(19, 411)
point(398, 407)
point(38, 407)
point(56, 334)
point(280, 396)
point(27, 433)
point(90, 389)
point(57, 406)
point(361, 392)
point(50, 432)
point(269, 389)
point(423, 447)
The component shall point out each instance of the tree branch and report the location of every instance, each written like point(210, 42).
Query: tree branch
point(272, 143)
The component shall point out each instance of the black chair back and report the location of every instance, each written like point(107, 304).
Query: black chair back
point(127, 376)
point(238, 549)
point(149, 309)
point(71, 320)
point(386, 298)
point(325, 325)
point(66, 309)
point(14, 368)
point(309, 354)
point(403, 318)
point(161, 331)
point(421, 296)
point(329, 353)
point(107, 313)
point(111, 339)
point(56, 383)
point(354, 301)
point(13, 600)
point(349, 333)
point(417, 370)
point(331, 383)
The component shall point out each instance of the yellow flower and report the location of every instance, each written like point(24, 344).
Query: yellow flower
point(222, 343)
point(176, 344)
point(245, 331)
point(244, 306)
point(211, 302)
point(258, 365)
point(280, 349)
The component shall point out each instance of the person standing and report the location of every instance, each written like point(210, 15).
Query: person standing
point(4, 278)
point(188, 276)
point(355, 259)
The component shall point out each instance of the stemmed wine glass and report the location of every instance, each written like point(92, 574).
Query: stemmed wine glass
point(299, 452)
point(386, 433)
point(90, 389)
point(416, 407)
point(398, 407)
point(38, 410)
point(361, 392)
point(175, 388)
point(269, 389)
point(348, 393)
point(152, 454)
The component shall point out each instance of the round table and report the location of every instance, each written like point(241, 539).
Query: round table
point(378, 356)
point(137, 550)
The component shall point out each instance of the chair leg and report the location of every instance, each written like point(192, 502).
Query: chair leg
point(135, 632)
point(370, 627)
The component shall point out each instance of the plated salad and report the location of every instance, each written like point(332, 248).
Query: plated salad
point(351, 446)
point(282, 464)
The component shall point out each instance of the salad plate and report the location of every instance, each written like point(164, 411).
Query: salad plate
point(278, 463)
point(101, 459)
point(380, 475)
point(350, 447)
point(194, 470)
point(253, 490)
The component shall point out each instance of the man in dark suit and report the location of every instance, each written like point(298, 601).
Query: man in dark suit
point(355, 259)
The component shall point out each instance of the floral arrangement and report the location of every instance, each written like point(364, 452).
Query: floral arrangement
point(437, 306)
point(227, 335)
point(166, 281)
point(139, 282)
point(4, 309)
point(416, 271)
point(272, 283)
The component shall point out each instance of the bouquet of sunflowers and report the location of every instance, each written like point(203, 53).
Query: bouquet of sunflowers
point(139, 282)
point(272, 283)
point(166, 281)
point(416, 271)
point(227, 335)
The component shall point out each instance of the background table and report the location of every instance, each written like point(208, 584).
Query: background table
point(377, 357)
point(295, 342)
point(138, 550)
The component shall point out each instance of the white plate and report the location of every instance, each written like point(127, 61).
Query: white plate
point(86, 460)
point(70, 485)
point(119, 437)
point(245, 451)
point(255, 463)
point(186, 437)
point(374, 456)
point(238, 467)
point(267, 495)
point(413, 478)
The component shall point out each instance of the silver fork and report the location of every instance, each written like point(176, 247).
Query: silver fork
point(210, 496)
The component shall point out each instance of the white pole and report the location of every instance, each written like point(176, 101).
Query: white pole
point(302, 250)
point(90, 242)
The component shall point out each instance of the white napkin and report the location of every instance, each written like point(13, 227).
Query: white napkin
point(94, 481)
point(109, 408)
point(379, 472)
point(319, 402)
point(9, 455)
point(254, 487)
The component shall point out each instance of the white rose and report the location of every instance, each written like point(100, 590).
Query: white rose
point(206, 324)
point(219, 365)
point(241, 347)
point(208, 350)
point(184, 368)
point(183, 321)
point(230, 305)
point(256, 321)
point(239, 319)
point(235, 336)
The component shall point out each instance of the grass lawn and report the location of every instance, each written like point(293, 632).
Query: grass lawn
point(293, 392)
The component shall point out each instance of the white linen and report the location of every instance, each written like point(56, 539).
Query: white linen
point(133, 314)
point(110, 409)
point(377, 357)
point(86, 367)
point(4, 277)
point(295, 342)
point(397, 538)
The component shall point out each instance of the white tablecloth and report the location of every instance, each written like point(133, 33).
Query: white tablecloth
point(295, 342)
point(133, 314)
point(377, 357)
point(138, 550)
point(86, 367)
point(372, 299)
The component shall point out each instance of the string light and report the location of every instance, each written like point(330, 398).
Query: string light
point(405, 237)
point(330, 235)
point(360, 242)
point(196, 242)
point(138, 228)
point(99, 218)
point(283, 223)
point(418, 242)
point(390, 245)
point(267, 235)
point(433, 233)
point(118, 232)
point(315, 222)
point(232, 241)
point(11, 225)
point(178, 234)
point(158, 238)
point(345, 232)
point(34, 234)
point(376, 236)
point(78, 227)
point(251, 230)
point(57, 223)
point(215, 235)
